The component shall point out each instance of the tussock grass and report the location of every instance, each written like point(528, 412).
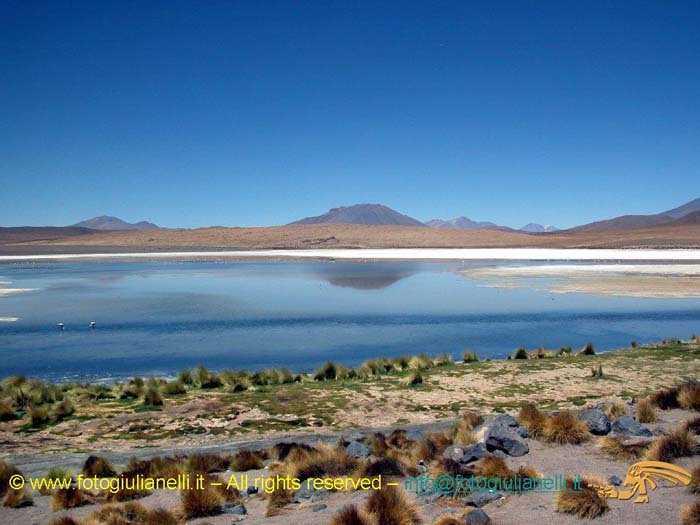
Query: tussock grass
point(16, 499)
point(63, 409)
point(350, 515)
point(584, 503)
point(618, 448)
point(533, 419)
point(521, 353)
point(387, 467)
point(64, 520)
point(666, 398)
point(38, 415)
point(7, 413)
point(447, 519)
point(470, 357)
point(323, 462)
point(692, 425)
point(277, 500)
point(690, 514)
point(282, 451)
point(414, 378)
point(433, 446)
point(566, 428)
point(689, 396)
point(207, 463)
point(98, 466)
point(589, 349)
point(153, 397)
point(246, 460)
point(493, 467)
point(694, 485)
point(6, 472)
point(55, 473)
point(615, 409)
point(390, 506)
point(120, 515)
point(645, 411)
point(174, 388)
point(203, 378)
point(199, 503)
point(68, 498)
point(677, 444)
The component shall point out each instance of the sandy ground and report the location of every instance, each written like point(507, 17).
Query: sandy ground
point(548, 460)
point(626, 280)
point(446, 254)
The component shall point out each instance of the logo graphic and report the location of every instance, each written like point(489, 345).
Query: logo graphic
point(644, 476)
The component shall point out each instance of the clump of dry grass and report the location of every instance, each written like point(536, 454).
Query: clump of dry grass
point(98, 466)
point(677, 444)
point(277, 500)
point(153, 397)
point(692, 425)
point(462, 430)
point(533, 419)
point(666, 398)
point(6, 472)
point(645, 411)
point(207, 463)
point(386, 467)
point(68, 498)
point(120, 515)
point(15, 499)
point(493, 467)
point(198, 503)
point(126, 494)
point(7, 413)
point(390, 506)
point(282, 450)
point(584, 503)
point(246, 460)
point(351, 515)
point(694, 485)
point(447, 519)
point(433, 446)
point(565, 427)
point(689, 397)
point(38, 415)
point(618, 448)
point(615, 409)
point(323, 462)
point(64, 520)
point(690, 514)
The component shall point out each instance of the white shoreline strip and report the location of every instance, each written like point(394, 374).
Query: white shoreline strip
point(569, 269)
point(448, 254)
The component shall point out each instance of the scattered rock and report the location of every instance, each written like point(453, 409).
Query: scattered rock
point(306, 493)
point(615, 481)
point(477, 517)
point(499, 454)
point(358, 450)
point(415, 435)
point(481, 498)
point(658, 431)
point(504, 438)
point(252, 489)
point(523, 432)
point(629, 426)
point(239, 510)
point(465, 455)
point(504, 419)
point(353, 435)
point(598, 422)
point(319, 507)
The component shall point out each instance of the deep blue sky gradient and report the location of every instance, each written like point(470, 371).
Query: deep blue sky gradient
point(259, 113)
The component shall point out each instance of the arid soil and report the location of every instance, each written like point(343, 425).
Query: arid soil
point(348, 236)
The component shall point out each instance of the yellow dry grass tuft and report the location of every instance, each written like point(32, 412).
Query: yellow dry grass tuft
point(584, 503)
point(677, 444)
point(566, 428)
point(619, 448)
point(645, 411)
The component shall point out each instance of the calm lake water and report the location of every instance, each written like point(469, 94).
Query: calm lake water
point(161, 317)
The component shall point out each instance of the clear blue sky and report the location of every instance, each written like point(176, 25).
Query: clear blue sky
point(259, 113)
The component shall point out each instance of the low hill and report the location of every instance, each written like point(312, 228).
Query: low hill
point(368, 214)
point(107, 222)
point(40, 233)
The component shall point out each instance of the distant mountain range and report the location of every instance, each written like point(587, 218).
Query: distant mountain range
point(107, 222)
point(370, 214)
point(533, 227)
point(463, 223)
point(685, 214)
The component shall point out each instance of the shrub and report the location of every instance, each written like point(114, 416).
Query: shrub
point(442, 359)
point(666, 398)
point(207, 463)
point(185, 377)
point(564, 351)
point(584, 503)
point(634, 344)
point(198, 503)
point(7, 413)
point(55, 473)
point(689, 396)
point(382, 466)
point(645, 411)
point(420, 362)
point(533, 419)
point(246, 460)
point(692, 425)
point(129, 392)
point(6, 472)
point(203, 378)
point(521, 353)
point(677, 444)
point(322, 462)
point(587, 350)
point(98, 466)
point(327, 372)
point(565, 427)
point(390, 506)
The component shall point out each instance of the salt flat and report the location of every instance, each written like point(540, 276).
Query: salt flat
point(444, 254)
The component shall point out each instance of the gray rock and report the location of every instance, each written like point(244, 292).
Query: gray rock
point(629, 426)
point(499, 454)
point(319, 507)
point(358, 450)
point(306, 493)
point(428, 499)
point(252, 489)
point(466, 454)
point(239, 510)
point(353, 435)
point(504, 419)
point(523, 432)
point(598, 422)
point(504, 438)
point(658, 431)
point(615, 481)
point(415, 435)
point(481, 498)
point(477, 517)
